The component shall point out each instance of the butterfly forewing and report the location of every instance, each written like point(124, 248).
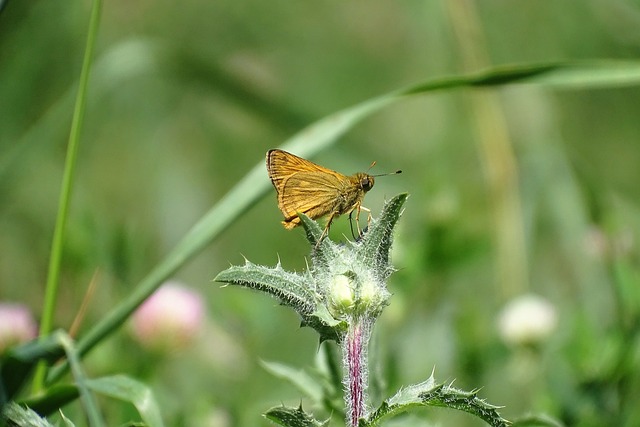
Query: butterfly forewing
point(281, 165)
point(312, 193)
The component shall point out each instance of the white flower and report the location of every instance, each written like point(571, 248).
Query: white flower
point(527, 319)
point(16, 325)
point(169, 319)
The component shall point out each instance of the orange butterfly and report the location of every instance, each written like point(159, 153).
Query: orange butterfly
point(316, 191)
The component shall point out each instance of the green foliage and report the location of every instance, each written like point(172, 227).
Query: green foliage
point(17, 364)
point(322, 385)
point(183, 101)
point(357, 262)
point(429, 393)
point(53, 398)
point(15, 415)
point(426, 394)
point(55, 260)
point(325, 132)
point(292, 417)
point(291, 289)
point(129, 390)
point(536, 420)
point(376, 246)
point(306, 384)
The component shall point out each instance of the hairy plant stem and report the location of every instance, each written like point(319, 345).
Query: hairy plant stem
point(354, 351)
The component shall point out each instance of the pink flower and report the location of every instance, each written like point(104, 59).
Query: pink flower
point(170, 319)
point(16, 325)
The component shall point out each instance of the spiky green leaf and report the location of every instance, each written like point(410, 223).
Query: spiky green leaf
point(15, 415)
point(429, 393)
point(292, 417)
point(323, 252)
point(292, 289)
point(376, 243)
point(321, 320)
point(468, 401)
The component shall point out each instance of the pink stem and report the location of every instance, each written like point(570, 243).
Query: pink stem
point(355, 355)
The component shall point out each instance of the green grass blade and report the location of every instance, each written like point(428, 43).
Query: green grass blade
point(53, 273)
point(86, 397)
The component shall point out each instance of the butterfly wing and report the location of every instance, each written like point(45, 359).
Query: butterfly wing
point(312, 193)
point(303, 186)
point(281, 165)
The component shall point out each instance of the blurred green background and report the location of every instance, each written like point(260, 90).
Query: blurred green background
point(513, 191)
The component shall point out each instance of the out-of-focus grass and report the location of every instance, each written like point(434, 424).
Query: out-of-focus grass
point(165, 140)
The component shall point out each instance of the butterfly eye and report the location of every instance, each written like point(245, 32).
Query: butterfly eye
point(366, 183)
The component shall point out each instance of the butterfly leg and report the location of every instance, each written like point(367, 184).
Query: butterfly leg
point(353, 234)
point(357, 209)
point(368, 211)
point(325, 232)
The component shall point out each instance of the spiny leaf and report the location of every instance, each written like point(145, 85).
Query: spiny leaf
point(15, 415)
point(321, 320)
point(292, 417)
point(323, 251)
point(376, 243)
point(291, 289)
point(428, 393)
point(467, 401)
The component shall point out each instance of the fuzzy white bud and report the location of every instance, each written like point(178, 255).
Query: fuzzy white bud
point(369, 295)
point(527, 319)
point(341, 297)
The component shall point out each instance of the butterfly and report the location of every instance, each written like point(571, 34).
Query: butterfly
point(316, 191)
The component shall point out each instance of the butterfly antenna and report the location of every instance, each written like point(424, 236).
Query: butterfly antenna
point(389, 173)
point(382, 174)
point(371, 166)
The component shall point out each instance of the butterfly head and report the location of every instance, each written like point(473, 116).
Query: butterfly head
point(366, 182)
